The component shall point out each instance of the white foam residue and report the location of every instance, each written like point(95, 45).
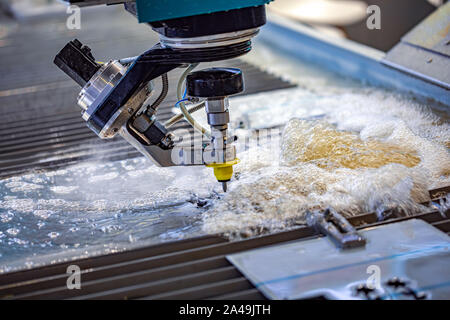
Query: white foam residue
point(64, 189)
point(104, 177)
point(42, 214)
point(370, 151)
point(17, 186)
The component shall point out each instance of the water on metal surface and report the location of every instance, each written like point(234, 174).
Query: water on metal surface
point(103, 207)
point(99, 208)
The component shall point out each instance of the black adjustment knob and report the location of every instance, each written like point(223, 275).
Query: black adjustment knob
point(215, 82)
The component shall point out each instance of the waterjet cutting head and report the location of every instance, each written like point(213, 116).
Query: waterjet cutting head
point(116, 95)
point(216, 84)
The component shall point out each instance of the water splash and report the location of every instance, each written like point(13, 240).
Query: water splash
point(97, 208)
point(320, 143)
point(370, 152)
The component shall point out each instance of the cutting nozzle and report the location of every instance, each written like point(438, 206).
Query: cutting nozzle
point(223, 171)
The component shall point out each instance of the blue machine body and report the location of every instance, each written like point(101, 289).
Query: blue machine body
point(157, 10)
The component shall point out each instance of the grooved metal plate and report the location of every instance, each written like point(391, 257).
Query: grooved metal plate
point(188, 269)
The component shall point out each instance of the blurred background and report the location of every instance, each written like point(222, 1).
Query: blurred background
point(340, 18)
point(347, 18)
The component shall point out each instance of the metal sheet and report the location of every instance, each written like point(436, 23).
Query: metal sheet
point(433, 32)
point(420, 63)
point(411, 250)
point(424, 52)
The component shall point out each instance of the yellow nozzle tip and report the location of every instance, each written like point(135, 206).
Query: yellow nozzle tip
point(223, 171)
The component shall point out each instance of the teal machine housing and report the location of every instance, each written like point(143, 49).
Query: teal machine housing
point(156, 10)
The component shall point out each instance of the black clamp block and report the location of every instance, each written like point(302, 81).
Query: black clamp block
point(77, 62)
